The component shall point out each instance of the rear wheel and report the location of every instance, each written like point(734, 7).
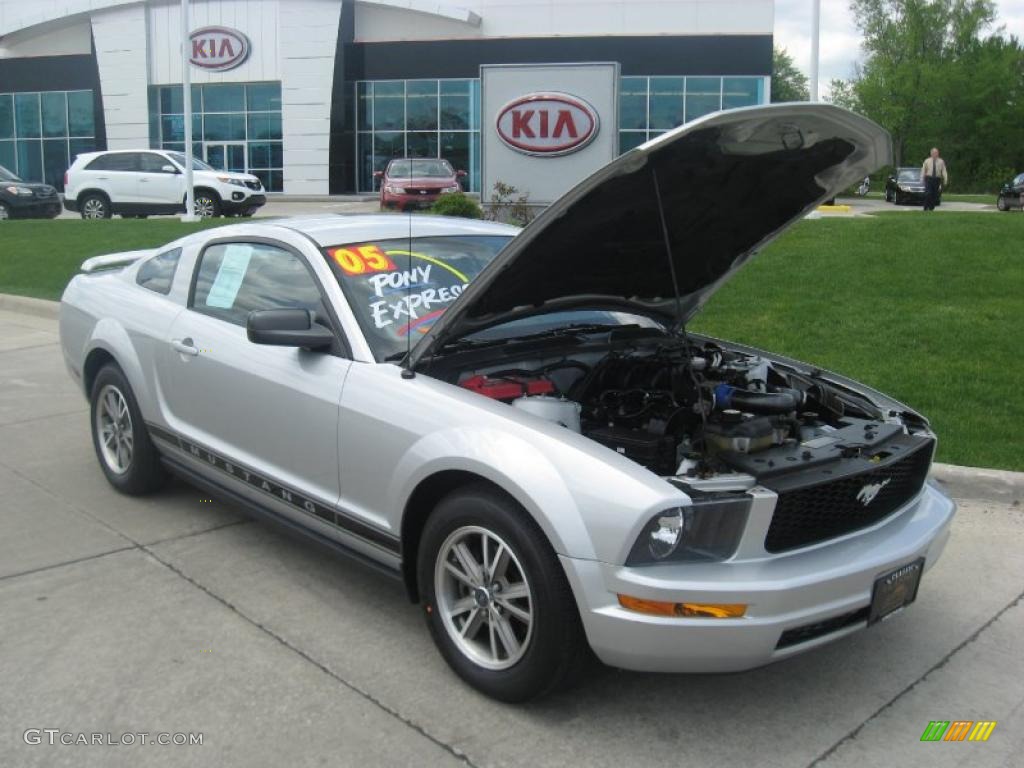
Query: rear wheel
point(497, 601)
point(125, 452)
point(94, 206)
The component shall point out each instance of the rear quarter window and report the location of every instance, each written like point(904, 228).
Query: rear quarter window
point(157, 274)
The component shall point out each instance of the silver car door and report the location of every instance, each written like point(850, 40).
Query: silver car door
point(259, 420)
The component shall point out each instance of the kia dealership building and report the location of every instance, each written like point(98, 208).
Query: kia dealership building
point(313, 96)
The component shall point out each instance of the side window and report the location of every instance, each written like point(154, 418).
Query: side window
point(116, 161)
point(157, 273)
point(235, 278)
point(152, 163)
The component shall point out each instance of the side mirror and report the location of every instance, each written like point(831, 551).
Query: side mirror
point(169, 169)
point(287, 328)
point(378, 174)
point(461, 174)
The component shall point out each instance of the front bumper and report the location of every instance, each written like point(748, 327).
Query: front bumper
point(245, 205)
point(403, 202)
point(784, 592)
point(24, 207)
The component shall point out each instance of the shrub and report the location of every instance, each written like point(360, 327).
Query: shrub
point(507, 208)
point(457, 204)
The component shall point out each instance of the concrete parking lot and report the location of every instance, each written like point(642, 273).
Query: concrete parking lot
point(176, 614)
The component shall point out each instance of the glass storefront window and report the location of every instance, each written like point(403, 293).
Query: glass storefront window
point(222, 98)
point(742, 91)
point(666, 102)
point(54, 109)
point(630, 140)
point(421, 105)
point(389, 105)
point(236, 126)
point(41, 132)
point(703, 96)
point(26, 115)
point(417, 118)
point(633, 103)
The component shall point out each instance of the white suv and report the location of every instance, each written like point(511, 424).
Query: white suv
point(143, 182)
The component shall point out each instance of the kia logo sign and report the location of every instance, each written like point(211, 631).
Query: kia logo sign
point(547, 124)
point(218, 48)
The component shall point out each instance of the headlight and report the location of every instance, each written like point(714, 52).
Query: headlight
point(394, 190)
point(16, 190)
point(708, 530)
point(229, 180)
point(448, 190)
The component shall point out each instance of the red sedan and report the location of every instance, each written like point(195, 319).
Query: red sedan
point(416, 182)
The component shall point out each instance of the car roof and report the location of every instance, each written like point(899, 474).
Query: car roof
point(342, 229)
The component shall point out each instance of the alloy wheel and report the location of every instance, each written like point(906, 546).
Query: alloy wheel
point(204, 207)
point(94, 209)
point(114, 427)
point(484, 597)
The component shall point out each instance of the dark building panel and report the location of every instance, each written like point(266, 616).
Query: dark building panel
point(662, 55)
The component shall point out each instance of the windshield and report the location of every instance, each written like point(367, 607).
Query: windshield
point(394, 290)
point(909, 174)
point(6, 175)
point(420, 169)
point(197, 164)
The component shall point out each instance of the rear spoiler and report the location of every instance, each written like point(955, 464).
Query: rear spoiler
point(113, 260)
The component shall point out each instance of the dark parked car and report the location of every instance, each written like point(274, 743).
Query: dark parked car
point(416, 182)
point(26, 199)
point(1012, 194)
point(905, 186)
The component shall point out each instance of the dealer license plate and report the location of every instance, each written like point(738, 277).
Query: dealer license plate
point(895, 590)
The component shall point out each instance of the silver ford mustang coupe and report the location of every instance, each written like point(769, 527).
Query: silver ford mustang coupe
point(517, 423)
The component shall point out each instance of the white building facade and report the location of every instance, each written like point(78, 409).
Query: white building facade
point(329, 90)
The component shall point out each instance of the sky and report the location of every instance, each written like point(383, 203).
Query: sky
point(840, 40)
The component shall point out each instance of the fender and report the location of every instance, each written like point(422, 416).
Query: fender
point(110, 336)
point(510, 463)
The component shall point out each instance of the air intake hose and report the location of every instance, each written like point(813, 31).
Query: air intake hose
point(779, 401)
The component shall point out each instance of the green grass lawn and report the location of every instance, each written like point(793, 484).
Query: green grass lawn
point(37, 258)
point(929, 309)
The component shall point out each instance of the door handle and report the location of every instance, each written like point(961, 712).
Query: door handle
point(185, 346)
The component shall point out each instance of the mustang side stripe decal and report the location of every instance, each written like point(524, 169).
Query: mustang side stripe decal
point(281, 493)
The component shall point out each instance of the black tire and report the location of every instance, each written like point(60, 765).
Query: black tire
point(888, 196)
point(5, 211)
point(1002, 204)
point(555, 648)
point(206, 204)
point(143, 473)
point(94, 205)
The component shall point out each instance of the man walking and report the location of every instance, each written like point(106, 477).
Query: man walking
point(934, 176)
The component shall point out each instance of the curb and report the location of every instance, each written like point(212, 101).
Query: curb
point(974, 483)
point(993, 485)
point(30, 306)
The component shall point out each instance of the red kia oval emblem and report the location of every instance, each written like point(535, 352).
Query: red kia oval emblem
point(547, 124)
point(218, 48)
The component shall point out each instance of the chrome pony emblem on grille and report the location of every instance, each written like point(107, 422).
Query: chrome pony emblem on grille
point(868, 493)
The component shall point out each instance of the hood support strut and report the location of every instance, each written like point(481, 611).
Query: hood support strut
point(668, 249)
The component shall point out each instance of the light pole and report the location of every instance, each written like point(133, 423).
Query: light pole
point(186, 86)
point(815, 34)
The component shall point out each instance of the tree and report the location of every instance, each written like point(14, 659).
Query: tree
point(933, 78)
point(788, 82)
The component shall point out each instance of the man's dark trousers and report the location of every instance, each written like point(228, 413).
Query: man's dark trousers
point(931, 192)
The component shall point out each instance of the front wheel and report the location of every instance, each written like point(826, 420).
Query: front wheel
point(119, 435)
point(94, 207)
point(497, 601)
point(1002, 205)
point(206, 205)
point(5, 211)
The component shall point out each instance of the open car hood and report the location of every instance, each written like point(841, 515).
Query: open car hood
point(728, 183)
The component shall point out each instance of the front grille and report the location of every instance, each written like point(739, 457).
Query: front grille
point(421, 191)
point(252, 184)
point(45, 192)
point(809, 632)
point(805, 516)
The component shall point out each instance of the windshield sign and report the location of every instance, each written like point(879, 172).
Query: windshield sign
point(395, 291)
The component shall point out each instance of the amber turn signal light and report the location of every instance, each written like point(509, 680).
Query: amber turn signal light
point(683, 610)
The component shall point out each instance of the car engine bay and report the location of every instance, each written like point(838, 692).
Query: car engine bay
point(694, 410)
